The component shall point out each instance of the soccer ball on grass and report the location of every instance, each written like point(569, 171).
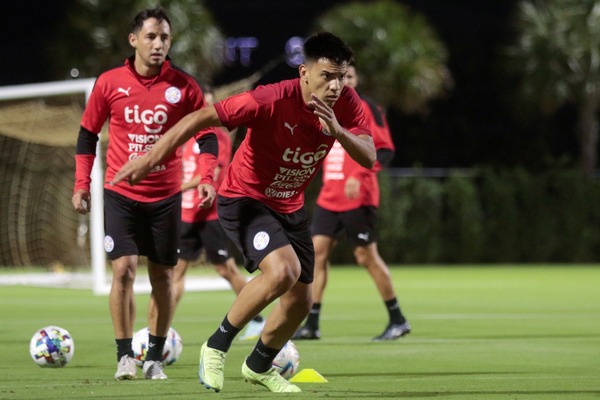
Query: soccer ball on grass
point(52, 347)
point(288, 360)
point(171, 351)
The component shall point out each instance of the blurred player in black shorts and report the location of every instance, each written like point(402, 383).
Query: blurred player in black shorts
point(348, 201)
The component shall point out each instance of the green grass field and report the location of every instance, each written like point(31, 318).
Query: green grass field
point(496, 332)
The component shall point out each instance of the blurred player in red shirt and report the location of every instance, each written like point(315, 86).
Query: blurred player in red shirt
point(348, 201)
point(292, 125)
point(141, 99)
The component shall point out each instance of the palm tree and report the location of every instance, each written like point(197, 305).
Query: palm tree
point(558, 57)
point(94, 38)
point(401, 59)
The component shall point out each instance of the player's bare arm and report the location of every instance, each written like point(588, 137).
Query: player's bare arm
point(137, 169)
point(359, 147)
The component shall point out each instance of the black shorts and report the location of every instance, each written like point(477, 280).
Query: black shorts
point(359, 224)
point(208, 235)
point(138, 228)
point(257, 230)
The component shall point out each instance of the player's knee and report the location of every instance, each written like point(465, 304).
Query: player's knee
point(161, 277)
point(123, 274)
point(285, 276)
point(321, 260)
point(222, 270)
point(361, 255)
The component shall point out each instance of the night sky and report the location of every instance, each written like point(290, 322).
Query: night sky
point(473, 124)
point(471, 29)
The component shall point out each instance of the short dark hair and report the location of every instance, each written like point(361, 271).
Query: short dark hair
point(327, 45)
point(138, 21)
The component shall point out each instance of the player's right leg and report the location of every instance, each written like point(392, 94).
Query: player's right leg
point(122, 250)
point(122, 311)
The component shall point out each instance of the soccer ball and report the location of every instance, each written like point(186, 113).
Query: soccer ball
point(171, 351)
point(287, 361)
point(52, 347)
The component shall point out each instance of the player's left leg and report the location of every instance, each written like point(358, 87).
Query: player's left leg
point(323, 245)
point(178, 288)
point(368, 257)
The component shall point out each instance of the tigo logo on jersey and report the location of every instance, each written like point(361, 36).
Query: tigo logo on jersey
point(261, 240)
point(173, 95)
point(153, 120)
point(308, 159)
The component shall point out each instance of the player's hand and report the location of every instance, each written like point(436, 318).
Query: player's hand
point(82, 201)
point(329, 122)
point(133, 171)
point(352, 188)
point(207, 194)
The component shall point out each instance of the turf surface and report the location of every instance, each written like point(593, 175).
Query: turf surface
point(492, 332)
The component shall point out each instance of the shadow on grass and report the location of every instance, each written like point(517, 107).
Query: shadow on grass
point(463, 394)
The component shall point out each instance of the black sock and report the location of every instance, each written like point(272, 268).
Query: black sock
point(156, 344)
point(394, 312)
point(258, 318)
point(313, 316)
point(261, 358)
point(124, 348)
point(223, 336)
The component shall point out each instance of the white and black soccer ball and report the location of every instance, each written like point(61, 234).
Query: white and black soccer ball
point(52, 347)
point(287, 361)
point(171, 351)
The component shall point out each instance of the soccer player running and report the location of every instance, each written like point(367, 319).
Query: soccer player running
point(142, 99)
point(348, 201)
point(292, 125)
point(200, 227)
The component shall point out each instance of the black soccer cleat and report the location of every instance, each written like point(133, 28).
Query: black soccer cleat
point(393, 332)
point(307, 333)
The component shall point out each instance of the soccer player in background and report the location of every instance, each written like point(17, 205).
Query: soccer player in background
point(348, 201)
point(200, 227)
point(291, 125)
point(142, 99)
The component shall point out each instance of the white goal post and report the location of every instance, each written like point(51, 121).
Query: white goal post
point(36, 114)
point(98, 256)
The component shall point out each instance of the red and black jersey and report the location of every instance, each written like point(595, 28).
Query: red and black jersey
point(285, 144)
point(339, 166)
point(139, 111)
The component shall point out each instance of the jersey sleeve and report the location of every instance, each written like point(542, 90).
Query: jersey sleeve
point(94, 116)
point(382, 137)
point(353, 116)
point(97, 108)
point(237, 110)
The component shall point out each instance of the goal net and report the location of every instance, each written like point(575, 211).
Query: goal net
point(38, 226)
